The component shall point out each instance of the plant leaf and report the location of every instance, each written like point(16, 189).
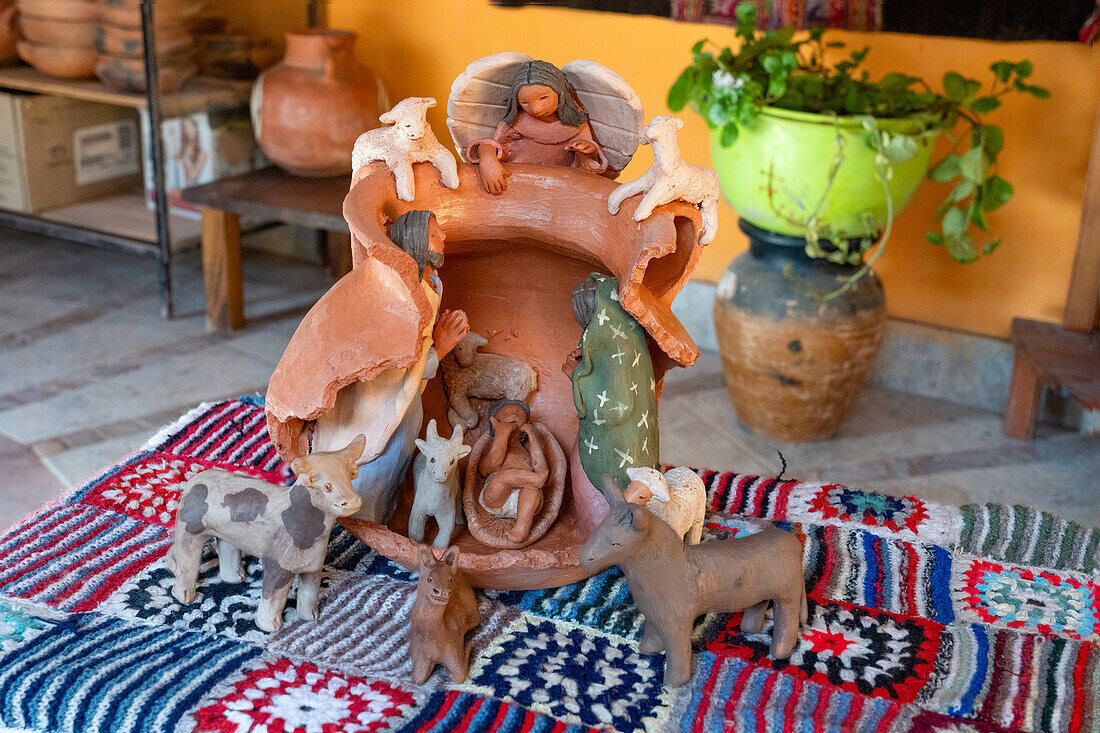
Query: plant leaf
point(996, 192)
point(961, 190)
point(1024, 68)
point(954, 85)
point(960, 246)
point(900, 149)
point(972, 165)
point(993, 140)
point(698, 47)
point(977, 216)
point(680, 91)
point(729, 134)
point(934, 238)
point(1003, 69)
point(954, 222)
point(1038, 92)
point(990, 246)
point(982, 105)
point(945, 170)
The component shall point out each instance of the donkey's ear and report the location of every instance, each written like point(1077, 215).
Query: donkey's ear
point(424, 554)
point(611, 490)
point(450, 557)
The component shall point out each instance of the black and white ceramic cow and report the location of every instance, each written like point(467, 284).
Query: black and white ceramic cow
point(286, 526)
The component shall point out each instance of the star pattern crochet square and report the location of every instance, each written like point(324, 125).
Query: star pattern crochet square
point(832, 501)
point(1012, 596)
point(572, 674)
point(282, 696)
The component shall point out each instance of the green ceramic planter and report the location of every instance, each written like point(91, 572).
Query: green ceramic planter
point(775, 174)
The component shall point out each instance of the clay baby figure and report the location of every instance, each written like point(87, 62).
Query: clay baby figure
point(286, 526)
point(444, 611)
point(515, 468)
point(674, 583)
point(543, 123)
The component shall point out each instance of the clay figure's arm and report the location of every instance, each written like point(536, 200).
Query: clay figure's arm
point(452, 327)
point(493, 458)
point(588, 154)
point(534, 447)
point(486, 154)
point(583, 370)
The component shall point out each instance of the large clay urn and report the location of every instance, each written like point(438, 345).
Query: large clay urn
point(308, 110)
point(793, 358)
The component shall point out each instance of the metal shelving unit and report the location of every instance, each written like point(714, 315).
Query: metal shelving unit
point(197, 94)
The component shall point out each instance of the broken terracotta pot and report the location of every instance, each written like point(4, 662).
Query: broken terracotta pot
point(308, 109)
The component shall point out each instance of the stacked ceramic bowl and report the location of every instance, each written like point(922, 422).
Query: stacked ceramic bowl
point(121, 60)
point(59, 36)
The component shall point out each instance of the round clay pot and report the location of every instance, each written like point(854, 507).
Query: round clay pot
point(58, 32)
point(121, 41)
point(308, 109)
point(794, 361)
point(66, 62)
point(128, 74)
point(235, 55)
point(59, 9)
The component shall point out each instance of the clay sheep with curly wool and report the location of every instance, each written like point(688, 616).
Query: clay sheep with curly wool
point(468, 372)
point(409, 141)
point(670, 178)
point(678, 497)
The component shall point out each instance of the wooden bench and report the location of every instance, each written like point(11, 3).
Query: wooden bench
point(264, 195)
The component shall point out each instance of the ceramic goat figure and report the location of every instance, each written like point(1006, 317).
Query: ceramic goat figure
point(670, 178)
point(286, 526)
point(435, 473)
point(674, 583)
point(444, 611)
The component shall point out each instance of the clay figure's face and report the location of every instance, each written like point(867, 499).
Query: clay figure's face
point(637, 493)
point(436, 237)
point(615, 538)
point(513, 414)
point(538, 101)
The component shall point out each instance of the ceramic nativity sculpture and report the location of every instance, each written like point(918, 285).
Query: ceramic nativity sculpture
point(515, 479)
point(526, 221)
point(287, 527)
point(444, 611)
point(673, 583)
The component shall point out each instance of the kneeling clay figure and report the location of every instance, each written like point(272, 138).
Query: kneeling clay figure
point(445, 609)
point(286, 526)
point(674, 583)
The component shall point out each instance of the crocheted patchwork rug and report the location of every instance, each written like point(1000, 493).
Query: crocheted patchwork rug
point(922, 617)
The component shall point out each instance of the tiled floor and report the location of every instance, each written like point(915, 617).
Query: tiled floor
point(89, 370)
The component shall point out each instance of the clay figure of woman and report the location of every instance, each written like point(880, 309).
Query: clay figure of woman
point(543, 123)
point(613, 385)
point(388, 409)
point(515, 466)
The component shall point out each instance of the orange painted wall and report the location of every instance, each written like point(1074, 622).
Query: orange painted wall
point(419, 46)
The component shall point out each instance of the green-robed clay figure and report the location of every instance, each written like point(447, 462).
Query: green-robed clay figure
point(613, 386)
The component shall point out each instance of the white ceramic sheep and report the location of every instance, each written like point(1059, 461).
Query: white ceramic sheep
point(470, 373)
point(436, 478)
point(410, 140)
point(678, 497)
point(670, 179)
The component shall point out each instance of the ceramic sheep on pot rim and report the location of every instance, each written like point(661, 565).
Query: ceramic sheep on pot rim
point(286, 526)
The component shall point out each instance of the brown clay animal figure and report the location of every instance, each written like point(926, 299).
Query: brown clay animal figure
point(435, 473)
point(515, 468)
point(678, 497)
point(286, 526)
point(469, 373)
point(674, 583)
point(409, 140)
point(670, 178)
point(444, 611)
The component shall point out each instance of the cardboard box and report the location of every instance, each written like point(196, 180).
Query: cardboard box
point(200, 148)
point(56, 151)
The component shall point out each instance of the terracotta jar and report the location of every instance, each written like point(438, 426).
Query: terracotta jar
point(308, 109)
point(794, 361)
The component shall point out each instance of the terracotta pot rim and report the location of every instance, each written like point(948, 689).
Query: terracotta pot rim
point(63, 21)
point(322, 33)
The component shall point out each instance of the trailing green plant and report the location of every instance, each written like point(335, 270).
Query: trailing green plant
point(785, 69)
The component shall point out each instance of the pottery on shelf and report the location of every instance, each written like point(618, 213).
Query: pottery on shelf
point(166, 14)
point(59, 9)
point(122, 41)
point(65, 62)
point(235, 55)
point(58, 32)
point(793, 361)
point(128, 74)
point(309, 109)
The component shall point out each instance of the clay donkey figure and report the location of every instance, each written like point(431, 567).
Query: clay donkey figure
point(287, 526)
point(444, 611)
point(674, 583)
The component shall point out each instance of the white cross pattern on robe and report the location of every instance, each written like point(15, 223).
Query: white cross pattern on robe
point(603, 317)
point(596, 420)
point(617, 332)
point(644, 422)
point(637, 358)
point(619, 355)
point(634, 387)
point(603, 398)
point(627, 458)
point(652, 385)
point(620, 408)
point(591, 445)
point(645, 446)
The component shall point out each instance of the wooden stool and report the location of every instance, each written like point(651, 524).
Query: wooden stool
point(264, 195)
